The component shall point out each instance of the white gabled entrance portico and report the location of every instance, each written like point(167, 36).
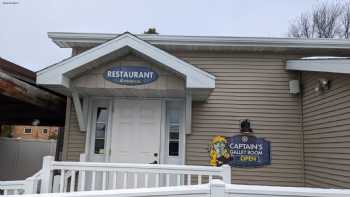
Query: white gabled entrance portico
point(140, 121)
point(136, 131)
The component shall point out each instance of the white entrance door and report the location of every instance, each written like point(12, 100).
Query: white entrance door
point(136, 131)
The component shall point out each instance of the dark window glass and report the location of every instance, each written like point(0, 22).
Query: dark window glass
point(100, 130)
point(174, 148)
point(28, 130)
point(99, 146)
point(44, 131)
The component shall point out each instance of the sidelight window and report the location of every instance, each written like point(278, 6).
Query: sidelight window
point(100, 130)
point(173, 127)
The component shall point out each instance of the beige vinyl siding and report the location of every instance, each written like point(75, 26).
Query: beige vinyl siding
point(255, 87)
point(326, 124)
point(74, 139)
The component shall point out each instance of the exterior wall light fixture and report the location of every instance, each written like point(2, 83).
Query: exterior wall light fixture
point(245, 126)
point(322, 85)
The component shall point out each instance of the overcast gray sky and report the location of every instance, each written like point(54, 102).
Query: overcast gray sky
point(24, 26)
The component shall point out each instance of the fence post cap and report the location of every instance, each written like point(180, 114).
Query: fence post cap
point(226, 173)
point(48, 157)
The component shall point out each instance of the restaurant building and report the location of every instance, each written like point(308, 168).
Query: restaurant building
point(163, 99)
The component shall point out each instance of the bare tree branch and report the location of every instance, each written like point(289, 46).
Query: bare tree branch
point(302, 28)
point(325, 21)
point(346, 20)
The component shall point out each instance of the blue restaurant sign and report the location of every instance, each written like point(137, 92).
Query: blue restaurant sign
point(130, 75)
point(248, 151)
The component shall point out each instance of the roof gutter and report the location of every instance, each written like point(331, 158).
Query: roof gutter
point(69, 40)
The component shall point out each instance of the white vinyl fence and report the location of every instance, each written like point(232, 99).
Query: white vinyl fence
point(216, 188)
point(84, 176)
point(63, 176)
point(69, 179)
point(30, 185)
point(21, 158)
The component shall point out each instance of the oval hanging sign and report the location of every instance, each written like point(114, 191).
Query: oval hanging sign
point(130, 75)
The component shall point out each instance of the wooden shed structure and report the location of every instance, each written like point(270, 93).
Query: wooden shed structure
point(22, 101)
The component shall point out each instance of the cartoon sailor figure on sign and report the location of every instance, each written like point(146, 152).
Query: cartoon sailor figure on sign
point(219, 152)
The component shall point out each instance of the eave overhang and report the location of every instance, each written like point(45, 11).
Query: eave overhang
point(320, 65)
point(59, 75)
point(216, 43)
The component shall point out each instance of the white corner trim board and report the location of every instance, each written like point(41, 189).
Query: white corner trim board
point(58, 74)
point(320, 65)
point(188, 112)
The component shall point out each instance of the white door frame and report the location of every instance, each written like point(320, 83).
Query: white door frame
point(89, 145)
point(180, 160)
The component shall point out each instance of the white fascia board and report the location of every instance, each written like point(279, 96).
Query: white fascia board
point(52, 78)
point(83, 58)
point(332, 66)
point(195, 77)
point(63, 39)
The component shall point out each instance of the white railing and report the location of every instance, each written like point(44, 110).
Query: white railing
point(27, 186)
point(216, 188)
point(83, 176)
point(232, 190)
point(59, 177)
point(12, 187)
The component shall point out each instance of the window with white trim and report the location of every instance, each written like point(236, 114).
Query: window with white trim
point(44, 131)
point(100, 130)
point(173, 127)
point(27, 130)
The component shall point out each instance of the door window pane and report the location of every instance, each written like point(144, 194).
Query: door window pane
point(100, 130)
